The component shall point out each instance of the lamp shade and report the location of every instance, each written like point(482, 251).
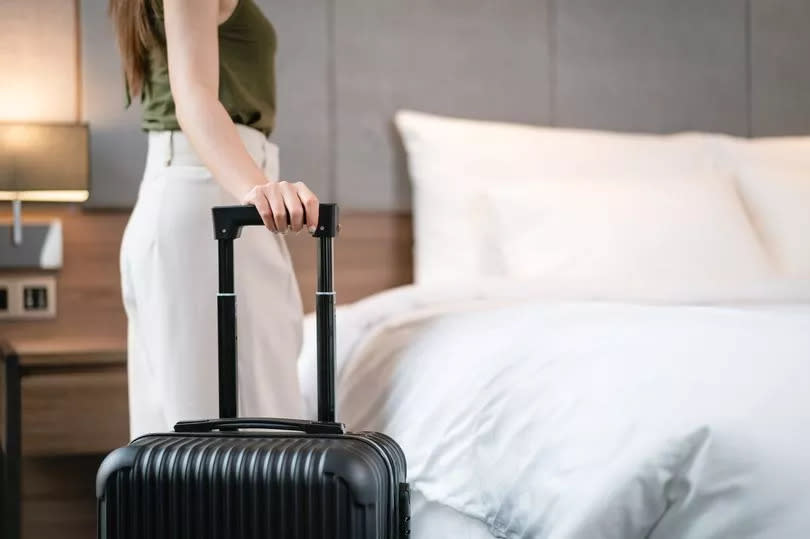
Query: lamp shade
point(46, 162)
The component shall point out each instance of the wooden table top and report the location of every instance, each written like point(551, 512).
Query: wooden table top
point(67, 351)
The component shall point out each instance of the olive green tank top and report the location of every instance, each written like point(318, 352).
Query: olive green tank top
point(247, 49)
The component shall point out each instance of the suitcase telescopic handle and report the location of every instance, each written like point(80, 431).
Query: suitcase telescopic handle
point(307, 427)
point(228, 223)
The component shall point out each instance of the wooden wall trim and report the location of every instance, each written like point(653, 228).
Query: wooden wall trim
point(373, 253)
point(89, 301)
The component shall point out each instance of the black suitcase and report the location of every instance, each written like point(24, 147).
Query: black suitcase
point(257, 478)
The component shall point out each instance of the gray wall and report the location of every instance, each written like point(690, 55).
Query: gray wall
point(117, 146)
point(345, 66)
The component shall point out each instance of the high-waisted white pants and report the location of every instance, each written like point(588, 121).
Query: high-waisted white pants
point(169, 280)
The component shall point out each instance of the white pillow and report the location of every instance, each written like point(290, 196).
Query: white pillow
point(791, 152)
point(773, 177)
point(454, 163)
point(778, 199)
point(452, 243)
point(461, 152)
point(636, 235)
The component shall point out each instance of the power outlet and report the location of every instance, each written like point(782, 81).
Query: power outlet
point(27, 297)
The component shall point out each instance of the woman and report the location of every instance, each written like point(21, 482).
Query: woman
point(204, 71)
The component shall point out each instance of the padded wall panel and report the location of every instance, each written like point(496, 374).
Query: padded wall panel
point(117, 144)
point(475, 58)
point(651, 65)
point(302, 125)
point(780, 67)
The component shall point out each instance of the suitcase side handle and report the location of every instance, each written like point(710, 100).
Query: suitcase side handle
point(307, 427)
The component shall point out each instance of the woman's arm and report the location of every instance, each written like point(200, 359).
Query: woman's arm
point(193, 54)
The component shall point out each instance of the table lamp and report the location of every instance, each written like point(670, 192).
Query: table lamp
point(42, 163)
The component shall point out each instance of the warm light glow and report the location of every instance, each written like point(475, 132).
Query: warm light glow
point(38, 61)
point(45, 196)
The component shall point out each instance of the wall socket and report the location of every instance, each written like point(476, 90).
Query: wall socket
point(27, 297)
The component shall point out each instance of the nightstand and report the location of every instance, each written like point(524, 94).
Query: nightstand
point(59, 398)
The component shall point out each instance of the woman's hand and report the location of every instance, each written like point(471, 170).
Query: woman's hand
point(285, 206)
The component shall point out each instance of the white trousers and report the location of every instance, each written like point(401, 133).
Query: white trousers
point(169, 281)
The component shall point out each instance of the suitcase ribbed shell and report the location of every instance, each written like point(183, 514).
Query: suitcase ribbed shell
point(249, 486)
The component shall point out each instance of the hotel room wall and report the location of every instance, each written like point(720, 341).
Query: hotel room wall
point(780, 67)
point(35, 38)
point(474, 58)
point(733, 66)
point(651, 65)
point(117, 145)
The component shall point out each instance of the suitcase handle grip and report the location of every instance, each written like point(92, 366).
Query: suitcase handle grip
point(307, 427)
point(229, 220)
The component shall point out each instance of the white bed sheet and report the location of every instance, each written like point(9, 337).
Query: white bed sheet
point(588, 419)
point(435, 520)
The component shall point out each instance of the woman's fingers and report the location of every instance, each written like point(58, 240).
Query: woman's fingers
point(284, 206)
point(294, 207)
point(264, 211)
point(256, 197)
point(273, 194)
point(310, 203)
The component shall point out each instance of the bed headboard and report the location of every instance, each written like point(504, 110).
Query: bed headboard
point(345, 66)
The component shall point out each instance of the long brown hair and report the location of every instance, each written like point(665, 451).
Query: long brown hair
point(137, 34)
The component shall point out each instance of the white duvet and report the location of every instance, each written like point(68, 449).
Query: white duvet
point(560, 419)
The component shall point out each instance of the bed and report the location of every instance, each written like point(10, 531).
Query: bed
point(608, 336)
